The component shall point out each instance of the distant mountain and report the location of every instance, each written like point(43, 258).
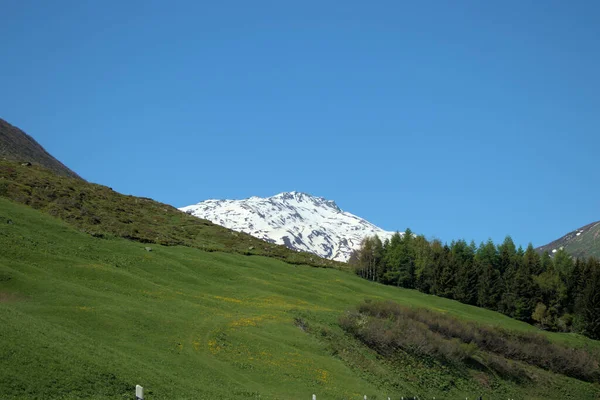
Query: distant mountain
point(583, 242)
point(298, 220)
point(16, 145)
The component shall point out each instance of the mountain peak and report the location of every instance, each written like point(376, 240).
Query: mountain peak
point(298, 220)
point(306, 197)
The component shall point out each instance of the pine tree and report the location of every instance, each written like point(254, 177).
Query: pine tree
point(462, 257)
point(407, 266)
point(575, 286)
point(523, 286)
point(423, 261)
point(392, 260)
point(532, 260)
point(508, 261)
point(400, 261)
point(444, 285)
point(563, 264)
point(507, 255)
point(590, 300)
point(546, 263)
point(434, 270)
point(488, 283)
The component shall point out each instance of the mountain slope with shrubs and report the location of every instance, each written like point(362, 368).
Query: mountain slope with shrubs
point(100, 211)
point(580, 243)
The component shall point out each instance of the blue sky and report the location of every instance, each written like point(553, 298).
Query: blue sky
point(458, 119)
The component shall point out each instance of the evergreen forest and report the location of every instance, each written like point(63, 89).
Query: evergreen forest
point(556, 293)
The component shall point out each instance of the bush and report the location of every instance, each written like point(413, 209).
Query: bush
point(388, 327)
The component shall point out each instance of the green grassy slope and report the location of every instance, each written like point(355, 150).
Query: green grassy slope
point(100, 211)
point(86, 317)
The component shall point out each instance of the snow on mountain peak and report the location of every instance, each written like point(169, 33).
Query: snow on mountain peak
point(295, 219)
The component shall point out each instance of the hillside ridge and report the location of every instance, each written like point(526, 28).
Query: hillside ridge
point(100, 211)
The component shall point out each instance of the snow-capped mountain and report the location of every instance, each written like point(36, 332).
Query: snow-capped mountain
point(298, 220)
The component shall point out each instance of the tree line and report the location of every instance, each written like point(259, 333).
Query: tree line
point(555, 292)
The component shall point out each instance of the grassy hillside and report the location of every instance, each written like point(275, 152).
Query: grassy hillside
point(16, 145)
point(89, 317)
point(582, 243)
point(100, 211)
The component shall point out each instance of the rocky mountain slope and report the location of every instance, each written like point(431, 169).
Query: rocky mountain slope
point(581, 243)
point(298, 220)
point(16, 145)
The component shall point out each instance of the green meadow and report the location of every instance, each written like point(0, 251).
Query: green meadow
point(89, 317)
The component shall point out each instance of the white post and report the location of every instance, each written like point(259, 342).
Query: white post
point(365, 397)
point(139, 392)
point(314, 397)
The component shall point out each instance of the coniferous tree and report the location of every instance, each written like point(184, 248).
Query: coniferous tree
point(532, 260)
point(590, 300)
point(407, 264)
point(444, 285)
point(575, 285)
point(434, 271)
point(563, 264)
point(486, 263)
point(507, 255)
point(508, 261)
point(377, 258)
point(524, 287)
point(462, 256)
point(546, 263)
point(399, 261)
point(423, 261)
point(392, 260)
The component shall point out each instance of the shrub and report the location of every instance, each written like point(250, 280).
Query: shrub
point(387, 327)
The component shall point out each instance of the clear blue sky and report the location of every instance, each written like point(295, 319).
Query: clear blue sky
point(458, 119)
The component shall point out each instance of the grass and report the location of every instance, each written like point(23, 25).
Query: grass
point(89, 317)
